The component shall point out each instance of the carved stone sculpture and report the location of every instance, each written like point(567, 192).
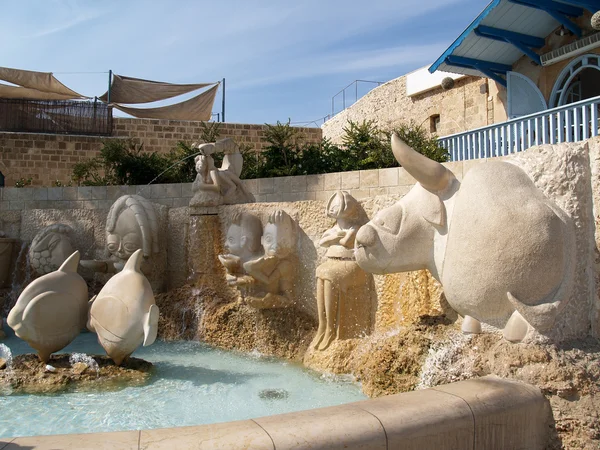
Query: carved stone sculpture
point(243, 244)
point(343, 288)
point(273, 273)
point(131, 225)
point(212, 186)
point(502, 250)
point(52, 310)
point(124, 314)
point(50, 248)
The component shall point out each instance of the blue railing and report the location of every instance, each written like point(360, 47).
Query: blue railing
point(569, 123)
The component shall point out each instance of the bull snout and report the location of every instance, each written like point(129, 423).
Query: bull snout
point(366, 236)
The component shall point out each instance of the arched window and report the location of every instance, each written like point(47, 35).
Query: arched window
point(578, 81)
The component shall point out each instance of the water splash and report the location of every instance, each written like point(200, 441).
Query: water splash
point(445, 362)
point(86, 359)
point(6, 355)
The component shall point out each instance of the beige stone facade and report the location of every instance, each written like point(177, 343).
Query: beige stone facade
point(47, 158)
point(472, 102)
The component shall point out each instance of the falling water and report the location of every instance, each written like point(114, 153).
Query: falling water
point(16, 285)
point(6, 355)
point(167, 169)
point(86, 359)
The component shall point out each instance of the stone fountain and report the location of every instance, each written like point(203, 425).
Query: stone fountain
point(470, 272)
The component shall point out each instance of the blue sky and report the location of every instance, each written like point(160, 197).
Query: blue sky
point(281, 60)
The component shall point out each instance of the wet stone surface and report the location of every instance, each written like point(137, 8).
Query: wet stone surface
point(28, 375)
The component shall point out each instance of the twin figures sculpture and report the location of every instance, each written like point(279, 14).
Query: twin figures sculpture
point(503, 252)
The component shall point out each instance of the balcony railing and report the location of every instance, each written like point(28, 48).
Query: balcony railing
point(569, 123)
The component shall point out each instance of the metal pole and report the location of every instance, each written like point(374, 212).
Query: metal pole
point(356, 92)
point(109, 84)
point(223, 106)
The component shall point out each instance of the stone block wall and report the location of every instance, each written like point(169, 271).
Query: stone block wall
point(47, 158)
point(472, 102)
point(163, 135)
point(361, 184)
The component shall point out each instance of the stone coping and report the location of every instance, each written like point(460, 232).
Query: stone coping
point(360, 184)
point(484, 413)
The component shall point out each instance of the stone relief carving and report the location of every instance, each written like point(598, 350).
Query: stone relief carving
point(219, 186)
point(52, 310)
point(131, 225)
point(344, 290)
point(502, 250)
point(124, 314)
point(50, 248)
point(265, 277)
point(243, 244)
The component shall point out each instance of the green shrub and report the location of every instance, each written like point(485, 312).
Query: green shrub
point(22, 182)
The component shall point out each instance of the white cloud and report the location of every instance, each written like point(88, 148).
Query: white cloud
point(347, 62)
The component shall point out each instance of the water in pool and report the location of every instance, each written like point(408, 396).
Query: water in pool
point(192, 384)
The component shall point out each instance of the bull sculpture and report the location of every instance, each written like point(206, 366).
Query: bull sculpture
point(503, 252)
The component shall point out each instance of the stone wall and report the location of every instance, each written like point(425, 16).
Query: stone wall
point(47, 158)
point(361, 184)
point(163, 135)
point(471, 103)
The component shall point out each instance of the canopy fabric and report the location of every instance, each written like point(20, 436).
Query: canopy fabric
point(135, 90)
point(196, 108)
point(7, 91)
point(40, 81)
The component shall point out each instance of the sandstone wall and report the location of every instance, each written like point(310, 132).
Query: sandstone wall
point(361, 184)
point(472, 102)
point(47, 158)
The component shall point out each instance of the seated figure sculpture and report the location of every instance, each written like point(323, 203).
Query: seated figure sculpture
point(503, 251)
point(131, 225)
point(242, 244)
point(52, 310)
point(50, 248)
point(124, 314)
point(212, 186)
point(344, 300)
point(272, 275)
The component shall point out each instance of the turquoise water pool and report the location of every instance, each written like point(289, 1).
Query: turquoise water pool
point(192, 384)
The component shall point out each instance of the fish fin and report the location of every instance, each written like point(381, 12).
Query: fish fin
point(134, 262)
point(151, 325)
point(71, 263)
point(90, 325)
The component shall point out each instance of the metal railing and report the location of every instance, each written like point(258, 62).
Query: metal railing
point(56, 117)
point(343, 93)
point(569, 123)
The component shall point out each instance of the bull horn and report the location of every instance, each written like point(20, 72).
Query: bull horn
point(431, 174)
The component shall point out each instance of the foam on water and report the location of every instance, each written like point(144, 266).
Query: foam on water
point(192, 384)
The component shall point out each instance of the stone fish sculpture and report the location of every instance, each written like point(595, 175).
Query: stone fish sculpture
point(50, 248)
point(217, 186)
point(124, 314)
point(503, 252)
point(131, 224)
point(52, 310)
point(344, 300)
